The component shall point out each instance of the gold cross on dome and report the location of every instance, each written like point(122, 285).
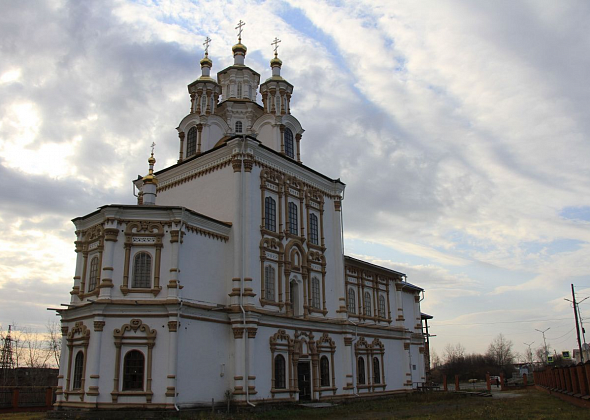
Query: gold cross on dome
point(276, 44)
point(206, 44)
point(239, 28)
point(153, 145)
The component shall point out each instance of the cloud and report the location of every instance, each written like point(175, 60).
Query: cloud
point(460, 131)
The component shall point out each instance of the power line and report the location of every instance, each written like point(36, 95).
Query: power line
point(504, 322)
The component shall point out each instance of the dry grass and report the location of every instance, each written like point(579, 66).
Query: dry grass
point(529, 404)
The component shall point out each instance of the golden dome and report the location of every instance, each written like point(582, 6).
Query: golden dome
point(276, 61)
point(151, 160)
point(206, 61)
point(239, 47)
point(150, 179)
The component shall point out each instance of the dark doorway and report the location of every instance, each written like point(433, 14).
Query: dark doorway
point(304, 381)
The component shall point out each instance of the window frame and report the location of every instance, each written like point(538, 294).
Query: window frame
point(280, 372)
point(381, 301)
point(270, 214)
point(368, 304)
point(376, 371)
point(269, 282)
point(288, 141)
point(191, 142)
point(126, 374)
point(238, 127)
point(293, 218)
point(315, 293)
point(360, 371)
point(351, 301)
point(314, 229)
point(78, 371)
point(324, 371)
point(135, 282)
point(93, 276)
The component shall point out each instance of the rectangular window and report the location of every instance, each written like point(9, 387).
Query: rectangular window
point(315, 292)
point(270, 214)
point(293, 226)
point(313, 229)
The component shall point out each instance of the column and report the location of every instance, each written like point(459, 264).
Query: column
point(93, 359)
point(111, 232)
point(181, 136)
point(172, 359)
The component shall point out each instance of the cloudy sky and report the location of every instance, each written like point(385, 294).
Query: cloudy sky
point(461, 129)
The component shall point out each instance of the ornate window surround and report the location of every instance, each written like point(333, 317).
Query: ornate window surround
point(77, 340)
point(133, 336)
point(362, 281)
point(271, 252)
point(140, 236)
point(314, 204)
point(368, 351)
point(302, 345)
point(92, 245)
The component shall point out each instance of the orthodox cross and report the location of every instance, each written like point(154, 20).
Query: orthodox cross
point(153, 145)
point(276, 44)
point(239, 28)
point(206, 44)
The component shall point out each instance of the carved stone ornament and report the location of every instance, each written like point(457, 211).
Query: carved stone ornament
point(99, 325)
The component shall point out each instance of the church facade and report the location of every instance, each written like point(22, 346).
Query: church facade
point(228, 278)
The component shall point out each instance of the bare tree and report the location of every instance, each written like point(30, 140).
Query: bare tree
point(53, 341)
point(454, 352)
point(500, 350)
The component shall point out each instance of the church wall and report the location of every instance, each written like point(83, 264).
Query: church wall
point(205, 360)
point(212, 194)
point(205, 268)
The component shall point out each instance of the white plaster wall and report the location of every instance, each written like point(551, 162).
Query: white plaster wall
point(202, 348)
point(395, 364)
point(212, 194)
point(205, 268)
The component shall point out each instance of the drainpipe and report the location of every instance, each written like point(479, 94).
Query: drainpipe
point(179, 308)
point(243, 239)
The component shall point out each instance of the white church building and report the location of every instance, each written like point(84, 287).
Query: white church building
point(228, 278)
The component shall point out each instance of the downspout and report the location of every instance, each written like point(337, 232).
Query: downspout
point(179, 308)
point(243, 239)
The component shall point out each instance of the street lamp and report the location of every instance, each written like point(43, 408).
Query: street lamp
point(544, 342)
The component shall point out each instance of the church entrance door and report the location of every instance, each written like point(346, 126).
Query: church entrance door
point(304, 381)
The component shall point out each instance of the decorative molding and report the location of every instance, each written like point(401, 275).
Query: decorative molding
point(99, 325)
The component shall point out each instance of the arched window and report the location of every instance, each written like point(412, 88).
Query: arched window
point(78, 368)
point(280, 382)
point(324, 371)
point(289, 150)
point(93, 278)
point(191, 142)
point(360, 371)
point(270, 214)
point(133, 367)
point(238, 126)
point(239, 90)
point(269, 283)
point(142, 270)
point(293, 218)
point(351, 301)
point(382, 306)
point(376, 371)
point(315, 293)
point(367, 304)
point(313, 229)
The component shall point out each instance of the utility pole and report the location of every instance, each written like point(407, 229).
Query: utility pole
point(544, 342)
point(577, 324)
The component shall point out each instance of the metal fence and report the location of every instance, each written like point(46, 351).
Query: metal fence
point(26, 398)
